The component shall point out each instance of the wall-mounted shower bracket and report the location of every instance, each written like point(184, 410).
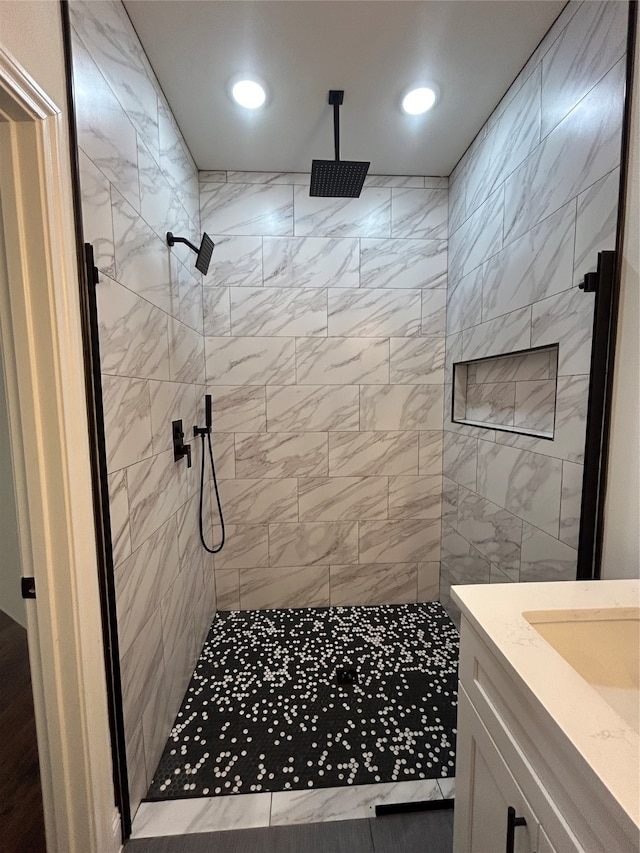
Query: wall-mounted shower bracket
point(180, 449)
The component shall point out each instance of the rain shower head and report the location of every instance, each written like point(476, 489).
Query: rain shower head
point(204, 252)
point(337, 178)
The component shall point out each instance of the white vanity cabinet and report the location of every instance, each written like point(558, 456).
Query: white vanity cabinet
point(511, 752)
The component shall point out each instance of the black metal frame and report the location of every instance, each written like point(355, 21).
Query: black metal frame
point(87, 275)
point(606, 284)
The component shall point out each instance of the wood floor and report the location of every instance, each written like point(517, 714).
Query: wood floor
point(420, 832)
point(21, 817)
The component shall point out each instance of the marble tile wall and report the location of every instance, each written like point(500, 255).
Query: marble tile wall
point(531, 203)
point(325, 324)
point(138, 181)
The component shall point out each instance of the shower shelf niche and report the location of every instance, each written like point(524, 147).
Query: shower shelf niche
point(512, 393)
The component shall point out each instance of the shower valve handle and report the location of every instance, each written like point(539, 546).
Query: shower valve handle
point(180, 449)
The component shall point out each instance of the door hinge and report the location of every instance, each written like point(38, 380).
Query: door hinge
point(605, 267)
point(28, 587)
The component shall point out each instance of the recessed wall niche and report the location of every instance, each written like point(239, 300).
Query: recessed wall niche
point(514, 393)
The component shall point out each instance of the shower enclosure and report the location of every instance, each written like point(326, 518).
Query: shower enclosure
point(327, 333)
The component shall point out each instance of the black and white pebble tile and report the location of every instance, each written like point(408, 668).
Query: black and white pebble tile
point(264, 711)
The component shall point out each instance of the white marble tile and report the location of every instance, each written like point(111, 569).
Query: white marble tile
point(119, 516)
point(566, 318)
point(401, 407)
point(339, 361)
point(515, 368)
point(399, 541)
point(545, 558)
point(419, 214)
point(224, 454)
point(159, 205)
point(428, 581)
point(203, 814)
point(430, 452)
point(571, 414)
point(450, 502)
point(309, 543)
point(508, 333)
point(375, 583)
point(143, 261)
point(110, 38)
point(596, 224)
point(291, 178)
point(227, 589)
point(136, 768)
point(415, 497)
point(278, 312)
point(189, 545)
point(525, 484)
point(495, 533)
point(366, 216)
point(238, 408)
point(176, 161)
point(96, 214)
point(398, 264)
point(342, 498)
point(259, 501)
point(593, 41)
point(186, 353)
point(478, 238)
point(570, 503)
point(105, 134)
point(303, 454)
point(505, 144)
point(434, 312)
point(460, 562)
point(122, 315)
point(170, 401)
point(246, 209)
point(457, 196)
point(584, 147)
point(290, 586)
point(127, 420)
point(460, 459)
point(246, 547)
point(353, 454)
point(190, 307)
point(464, 301)
point(417, 361)
point(235, 262)
point(358, 801)
point(447, 788)
point(216, 308)
point(491, 403)
point(250, 361)
point(311, 262)
point(212, 176)
point(374, 313)
point(396, 181)
point(156, 488)
point(312, 408)
point(534, 266)
point(535, 406)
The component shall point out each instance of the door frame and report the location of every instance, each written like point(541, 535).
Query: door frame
point(45, 384)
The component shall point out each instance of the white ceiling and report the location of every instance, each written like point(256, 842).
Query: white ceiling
point(471, 49)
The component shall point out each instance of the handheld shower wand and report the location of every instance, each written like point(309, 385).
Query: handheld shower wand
point(202, 431)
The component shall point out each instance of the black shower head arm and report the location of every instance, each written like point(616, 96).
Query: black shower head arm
point(336, 97)
point(171, 241)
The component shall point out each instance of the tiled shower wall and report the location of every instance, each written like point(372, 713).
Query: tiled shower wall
point(324, 324)
point(138, 181)
point(531, 203)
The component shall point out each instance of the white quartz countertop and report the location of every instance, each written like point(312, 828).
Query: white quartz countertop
point(609, 745)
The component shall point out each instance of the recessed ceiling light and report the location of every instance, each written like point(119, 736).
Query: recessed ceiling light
point(418, 101)
point(249, 94)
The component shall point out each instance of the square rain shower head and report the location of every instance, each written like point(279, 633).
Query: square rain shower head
point(338, 178)
point(204, 254)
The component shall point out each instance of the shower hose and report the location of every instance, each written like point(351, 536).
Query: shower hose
point(218, 548)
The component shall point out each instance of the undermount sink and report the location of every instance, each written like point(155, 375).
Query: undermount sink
point(603, 647)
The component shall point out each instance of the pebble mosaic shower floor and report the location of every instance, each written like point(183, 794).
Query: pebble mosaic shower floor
point(268, 709)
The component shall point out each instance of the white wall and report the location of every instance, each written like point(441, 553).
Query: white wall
point(621, 557)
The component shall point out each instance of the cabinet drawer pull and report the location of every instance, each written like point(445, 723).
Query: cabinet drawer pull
point(512, 822)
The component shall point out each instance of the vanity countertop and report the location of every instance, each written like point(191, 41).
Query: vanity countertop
point(502, 615)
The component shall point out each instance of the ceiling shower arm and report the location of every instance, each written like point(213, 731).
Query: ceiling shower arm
point(336, 97)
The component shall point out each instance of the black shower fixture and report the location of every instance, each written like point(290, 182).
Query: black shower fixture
point(204, 252)
point(337, 178)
